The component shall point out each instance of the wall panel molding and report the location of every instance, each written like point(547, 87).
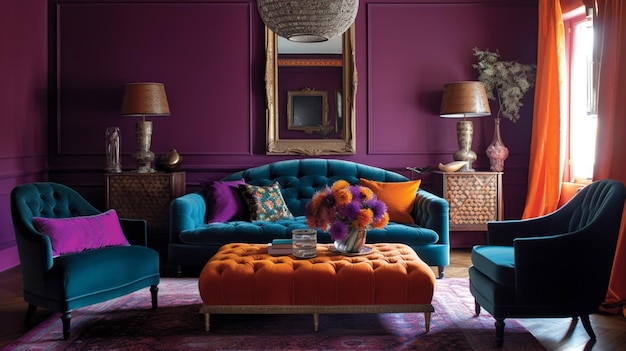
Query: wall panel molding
point(100, 46)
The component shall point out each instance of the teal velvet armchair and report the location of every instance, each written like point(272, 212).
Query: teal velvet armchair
point(557, 265)
point(67, 281)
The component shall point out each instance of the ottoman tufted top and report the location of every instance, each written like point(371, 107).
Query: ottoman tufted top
point(244, 274)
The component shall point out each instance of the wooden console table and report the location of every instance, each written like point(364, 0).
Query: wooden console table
point(474, 198)
point(146, 196)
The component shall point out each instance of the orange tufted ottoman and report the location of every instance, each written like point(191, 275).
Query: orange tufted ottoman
point(244, 278)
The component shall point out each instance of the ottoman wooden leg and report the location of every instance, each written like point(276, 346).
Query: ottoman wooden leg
point(316, 321)
point(427, 321)
point(206, 322)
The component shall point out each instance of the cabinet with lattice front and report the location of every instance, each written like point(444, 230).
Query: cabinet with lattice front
point(146, 196)
point(474, 198)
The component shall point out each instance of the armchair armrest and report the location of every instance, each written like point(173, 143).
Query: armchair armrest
point(563, 263)
point(431, 211)
point(186, 212)
point(135, 230)
point(503, 233)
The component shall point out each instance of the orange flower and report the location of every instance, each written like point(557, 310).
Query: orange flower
point(366, 193)
point(310, 221)
point(364, 218)
point(382, 222)
point(342, 196)
point(340, 184)
point(316, 202)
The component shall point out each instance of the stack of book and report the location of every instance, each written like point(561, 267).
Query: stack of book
point(280, 247)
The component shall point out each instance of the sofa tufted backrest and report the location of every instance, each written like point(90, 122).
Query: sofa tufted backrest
point(300, 179)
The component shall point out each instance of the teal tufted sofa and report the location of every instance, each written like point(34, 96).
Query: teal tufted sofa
point(193, 242)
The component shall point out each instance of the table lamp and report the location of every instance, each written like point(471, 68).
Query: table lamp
point(463, 100)
point(144, 99)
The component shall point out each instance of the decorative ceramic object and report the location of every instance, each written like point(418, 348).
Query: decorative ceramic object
point(496, 151)
point(452, 166)
point(113, 140)
point(169, 162)
point(353, 242)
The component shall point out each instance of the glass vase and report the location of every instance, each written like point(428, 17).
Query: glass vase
point(113, 140)
point(354, 242)
point(496, 151)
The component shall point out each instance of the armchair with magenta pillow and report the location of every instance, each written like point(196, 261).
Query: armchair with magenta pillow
point(557, 265)
point(73, 255)
point(271, 202)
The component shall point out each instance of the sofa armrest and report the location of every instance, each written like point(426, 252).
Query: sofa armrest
point(135, 230)
point(431, 211)
point(186, 212)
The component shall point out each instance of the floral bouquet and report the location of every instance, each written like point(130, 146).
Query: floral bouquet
point(343, 209)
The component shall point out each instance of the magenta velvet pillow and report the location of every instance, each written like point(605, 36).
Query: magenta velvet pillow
point(76, 234)
point(224, 201)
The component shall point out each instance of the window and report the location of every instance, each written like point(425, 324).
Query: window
point(581, 119)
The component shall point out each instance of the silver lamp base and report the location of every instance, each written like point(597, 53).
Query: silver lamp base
point(143, 156)
point(464, 134)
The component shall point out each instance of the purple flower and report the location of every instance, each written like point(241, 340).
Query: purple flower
point(378, 208)
point(350, 211)
point(356, 193)
point(338, 230)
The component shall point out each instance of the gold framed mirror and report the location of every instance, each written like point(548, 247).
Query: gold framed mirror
point(343, 124)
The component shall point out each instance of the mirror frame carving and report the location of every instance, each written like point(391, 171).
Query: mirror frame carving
point(347, 143)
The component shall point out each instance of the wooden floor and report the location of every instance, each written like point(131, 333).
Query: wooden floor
point(554, 334)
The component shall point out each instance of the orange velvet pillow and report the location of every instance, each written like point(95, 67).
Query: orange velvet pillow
point(398, 196)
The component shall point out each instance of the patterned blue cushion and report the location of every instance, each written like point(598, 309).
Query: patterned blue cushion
point(266, 203)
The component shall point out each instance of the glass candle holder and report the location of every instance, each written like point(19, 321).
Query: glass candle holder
point(113, 140)
point(304, 243)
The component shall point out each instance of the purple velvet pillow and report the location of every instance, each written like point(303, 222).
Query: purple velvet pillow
point(76, 234)
point(224, 201)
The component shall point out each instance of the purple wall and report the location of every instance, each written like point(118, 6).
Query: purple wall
point(23, 135)
point(210, 55)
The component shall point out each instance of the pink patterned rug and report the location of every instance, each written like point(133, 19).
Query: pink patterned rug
point(128, 323)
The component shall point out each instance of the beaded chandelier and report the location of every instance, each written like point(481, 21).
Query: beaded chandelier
point(308, 21)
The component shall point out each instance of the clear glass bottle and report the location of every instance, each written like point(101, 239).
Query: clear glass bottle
point(113, 140)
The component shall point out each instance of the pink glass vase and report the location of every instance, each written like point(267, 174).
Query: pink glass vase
point(496, 151)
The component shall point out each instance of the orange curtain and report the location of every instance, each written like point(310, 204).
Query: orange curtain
point(544, 174)
point(610, 36)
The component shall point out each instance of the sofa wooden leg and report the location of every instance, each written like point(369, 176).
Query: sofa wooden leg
point(441, 270)
point(154, 290)
point(207, 321)
point(499, 331)
point(66, 318)
point(30, 313)
point(476, 308)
